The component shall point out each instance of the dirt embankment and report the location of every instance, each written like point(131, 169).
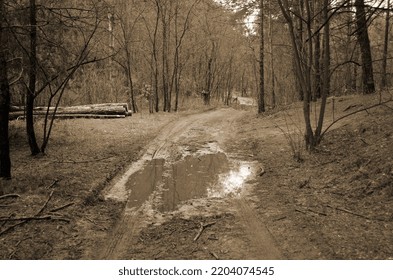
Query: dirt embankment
point(338, 202)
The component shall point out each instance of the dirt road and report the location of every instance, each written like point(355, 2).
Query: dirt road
point(190, 196)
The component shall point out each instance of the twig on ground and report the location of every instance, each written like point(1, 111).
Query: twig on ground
point(316, 212)
point(279, 218)
point(53, 184)
point(12, 195)
point(351, 106)
point(300, 211)
point(90, 220)
point(328, 162)
point(34, 218)
point(62, 207)
point(26, 220)
point(202, 228)
point(354, 214)
point(214, 255)
point(11, 227)
point(364, 141)
point(10, 216)
point(16, 247)
point(45, 204)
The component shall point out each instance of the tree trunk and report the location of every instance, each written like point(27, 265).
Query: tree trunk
point(5, 161)
point(365, 49)
point(34, 149)
point(155, 57)
point(326, 71)
point(273, 103)
point(261, 102)
point(130, 80)
point(384, 82)
point(317, 54)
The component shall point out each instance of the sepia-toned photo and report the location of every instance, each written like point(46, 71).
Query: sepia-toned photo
point(196, 130)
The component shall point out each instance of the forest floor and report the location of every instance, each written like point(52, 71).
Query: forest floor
point(221, 183)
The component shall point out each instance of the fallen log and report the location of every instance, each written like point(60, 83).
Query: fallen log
point(14, 108)
point(78, 116)
point(118, 110)
point(89, 106)
point(125, 105)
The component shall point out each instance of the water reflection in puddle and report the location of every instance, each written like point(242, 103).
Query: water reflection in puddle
point(232, 182)
point(207, 175)
point(190, 179)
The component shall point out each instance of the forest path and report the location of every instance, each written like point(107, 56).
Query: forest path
point(190, 196)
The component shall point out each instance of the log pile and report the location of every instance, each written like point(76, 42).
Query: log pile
point(97, 111)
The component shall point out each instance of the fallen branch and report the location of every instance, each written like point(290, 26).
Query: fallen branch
point(33, 218)
point(300, 211)
point(16, 247)
point(353, 213)
point(202, 228)
point(13, 195)
point(316, 212)
point(45, 204)
point(11, 227)
point(3, 224)
point(26, 220)
point(53, 184)
point(62, 207)
point(214, 255)
point(353, 113)
point(351, 106)
point(279, 219)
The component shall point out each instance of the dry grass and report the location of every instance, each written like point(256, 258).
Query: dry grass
point(82, 156)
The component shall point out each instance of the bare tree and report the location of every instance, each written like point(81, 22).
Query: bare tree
point(304, 59)
point(5, 161)
point(365, 49)
point(31, 89)
point(179, 39)
point(384, 82)
point(261, 102)
point(53, 58)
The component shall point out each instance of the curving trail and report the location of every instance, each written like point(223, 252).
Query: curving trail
point(236, 232)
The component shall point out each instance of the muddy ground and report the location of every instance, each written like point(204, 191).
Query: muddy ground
point(221, 183)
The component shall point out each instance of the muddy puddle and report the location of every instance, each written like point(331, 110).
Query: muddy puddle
point(193, 177)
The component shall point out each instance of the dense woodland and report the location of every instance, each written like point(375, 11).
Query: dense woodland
point(161, 55)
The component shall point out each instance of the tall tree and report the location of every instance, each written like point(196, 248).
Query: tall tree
point(384, 79)
point(272, 72)
point(31, 89)
point(5, 161)
point(365, 49)
point(304, 60)
point(261, 102)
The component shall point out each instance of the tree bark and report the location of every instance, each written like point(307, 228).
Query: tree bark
point(384, 79)
point(261, 102)
point(30, 96)
point(5, 161)
point(271, 50)
point(326, 72)
point(365, 49)
point(155, 57)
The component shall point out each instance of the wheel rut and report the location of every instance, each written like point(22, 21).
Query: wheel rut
point(185, 173)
